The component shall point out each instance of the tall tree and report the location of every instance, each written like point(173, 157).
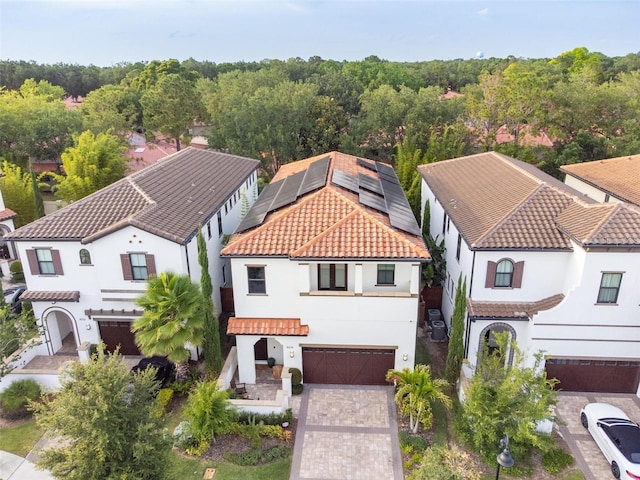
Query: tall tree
point(114, 107)
point(106, 419)
point(406, 159)
point(171, 106)
point(93, 163)
point(173, 317)
point(455, 353)
point(18, 194)
point(211, 342)
point(416, 390)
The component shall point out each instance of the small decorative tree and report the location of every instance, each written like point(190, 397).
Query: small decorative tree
point(416, 390)
point(455, 353)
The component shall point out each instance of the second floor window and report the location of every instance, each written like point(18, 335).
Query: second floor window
point(85, 257)
point(332, 276)
point(609, 287)
point(219, 223)
point(139, 266)
point(257, 280)
point(45, 261)
point(386, 274)
point(458, 247)
point(504, 274)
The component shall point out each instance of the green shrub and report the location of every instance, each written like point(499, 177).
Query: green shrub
point(257, 457)
point(14, 400)
point(271, 431)
point(17, 274)
point(296, 376)
point(296, 389)
point(267, 419)
point(183, 436)
point(417, 443)
point(556, 460)
point(165, 395)
point(440, 463)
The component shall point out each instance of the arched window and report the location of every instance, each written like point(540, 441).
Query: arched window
point(504, 274)
point(85, 257)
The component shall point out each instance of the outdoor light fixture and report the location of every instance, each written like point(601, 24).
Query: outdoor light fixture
point(291, 353)
point(504, 458)
point(405, 357)
point(88, 326)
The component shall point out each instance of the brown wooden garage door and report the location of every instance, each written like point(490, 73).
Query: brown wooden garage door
point(346, 366)
point(594, 375)
point(118, 333)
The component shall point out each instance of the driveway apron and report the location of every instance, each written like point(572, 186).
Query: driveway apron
point(588, 457)
point(347, 432)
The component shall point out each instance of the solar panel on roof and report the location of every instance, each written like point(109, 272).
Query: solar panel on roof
point(345, 180)
point(366, 164)
point(400, 213)
point(259, 210)
point(288, 193)
point(373, 201)
point(316, 176)
point(371, 184)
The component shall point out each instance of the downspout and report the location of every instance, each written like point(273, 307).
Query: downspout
point(468, 329)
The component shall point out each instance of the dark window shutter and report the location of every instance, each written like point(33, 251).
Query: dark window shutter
point(126, 266)
point(517, 274)
point(33, 262)
point(151, 265)
point(57, 263)
point(490, 281)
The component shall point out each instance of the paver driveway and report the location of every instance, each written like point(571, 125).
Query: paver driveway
point(347, 432)
point(588, 457)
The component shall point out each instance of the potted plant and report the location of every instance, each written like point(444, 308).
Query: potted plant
point(271, 362)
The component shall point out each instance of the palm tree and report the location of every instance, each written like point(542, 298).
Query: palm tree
point(416, 391)
point(173, 317)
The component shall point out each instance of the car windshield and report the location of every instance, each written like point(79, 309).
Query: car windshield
point(627, 439)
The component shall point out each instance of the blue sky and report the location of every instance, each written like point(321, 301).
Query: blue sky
point(107, 32)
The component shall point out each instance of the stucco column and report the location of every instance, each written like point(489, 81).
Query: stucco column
point(304, 278)
point(246, 358)
point(358, 279)
point(415, 279)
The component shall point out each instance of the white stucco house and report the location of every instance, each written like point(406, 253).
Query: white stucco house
point(555, 268)
point(610, 180)
point(86, 263)
point(326, 273)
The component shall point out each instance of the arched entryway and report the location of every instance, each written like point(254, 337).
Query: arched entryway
point(487, 336)
point(60, 331)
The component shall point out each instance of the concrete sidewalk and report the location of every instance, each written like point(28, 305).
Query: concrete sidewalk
point(13, 467)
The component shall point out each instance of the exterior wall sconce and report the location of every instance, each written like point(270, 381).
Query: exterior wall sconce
point(292, 353)
point(88, 326)
point(405, 357)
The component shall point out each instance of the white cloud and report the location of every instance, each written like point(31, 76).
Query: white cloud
point(483, 12)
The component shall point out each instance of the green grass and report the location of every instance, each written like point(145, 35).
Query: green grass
point(21, 439)
point(422, 354)
point(181, 468)
point(572, 475)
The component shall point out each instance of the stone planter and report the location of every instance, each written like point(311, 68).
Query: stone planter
point(277, 372)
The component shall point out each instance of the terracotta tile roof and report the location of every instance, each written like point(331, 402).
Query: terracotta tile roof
point(7, 214)
point(619, 177)
point(497, 202)
point(610, 224)
point(523, 310)
point(266, 326)
point(327, 223)
point(169, 199)
point(50, 296)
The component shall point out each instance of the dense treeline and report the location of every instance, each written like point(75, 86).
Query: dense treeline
point(280, 111)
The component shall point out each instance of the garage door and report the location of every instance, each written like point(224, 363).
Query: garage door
point(350, 366)
point(116, 334)
point(594, 375)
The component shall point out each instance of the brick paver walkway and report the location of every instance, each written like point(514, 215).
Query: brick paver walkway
point(347, 432)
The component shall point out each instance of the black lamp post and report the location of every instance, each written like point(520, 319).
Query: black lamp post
point(504, 458)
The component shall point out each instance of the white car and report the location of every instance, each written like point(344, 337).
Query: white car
point(617, 436)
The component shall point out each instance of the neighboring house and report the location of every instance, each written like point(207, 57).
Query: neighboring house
point(326, 273)
point(554, 268)
point(6, 226)
point(86, 263)
point(611, 180)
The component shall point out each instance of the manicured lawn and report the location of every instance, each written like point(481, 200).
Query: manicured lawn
point(181, 468)
point(572, 475)
point(422, 354)
point(21, 439)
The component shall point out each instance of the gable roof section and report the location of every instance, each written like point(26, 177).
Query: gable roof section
point(497, 202)
point(7, 214)
point(169, 199)
point(619, 177)
point(602, 224)
point(327, 223)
